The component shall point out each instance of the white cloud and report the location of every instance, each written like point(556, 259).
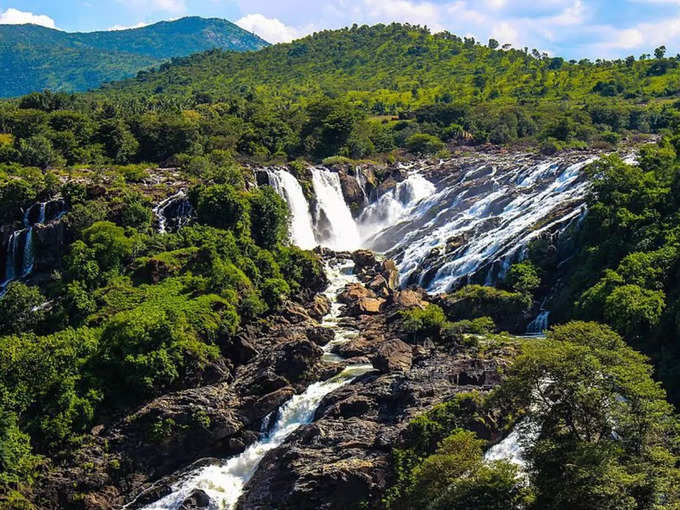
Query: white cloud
point(114, 28)
point(16, 17)
point(270, 29)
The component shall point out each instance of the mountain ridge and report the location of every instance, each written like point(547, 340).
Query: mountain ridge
point(36, 58)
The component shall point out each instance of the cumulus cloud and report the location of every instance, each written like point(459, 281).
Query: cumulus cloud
point(16, 17)
point(570, 28)
point(270, 29)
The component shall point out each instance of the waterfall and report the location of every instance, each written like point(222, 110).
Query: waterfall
point(540, 324)
point(335, 226)
point(20, 257)
point(11, 259)
point(301, 227)
point(180, 215)
point(398, 203)
point(224, 482)
point(477, 218)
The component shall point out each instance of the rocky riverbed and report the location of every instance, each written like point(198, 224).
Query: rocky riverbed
point(341, 458)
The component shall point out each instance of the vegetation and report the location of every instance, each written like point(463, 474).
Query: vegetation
point(607, 435)
point(38, 58)
point(132, 314)
point(348, 93)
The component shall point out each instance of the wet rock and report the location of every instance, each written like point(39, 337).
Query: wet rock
point(379, 286)
point(390, 273)
point(393, 355)
point(319, 307)
point(50, 242)
point(363, 259)
point(351, 190)
point(320, 335)
point(196, 500)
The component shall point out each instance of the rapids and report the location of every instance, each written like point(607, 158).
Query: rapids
point(224, 482)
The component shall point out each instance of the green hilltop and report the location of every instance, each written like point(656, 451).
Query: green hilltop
point(35, 58)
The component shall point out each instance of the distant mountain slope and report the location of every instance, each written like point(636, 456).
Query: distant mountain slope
point(35, 58)
point(393, 68)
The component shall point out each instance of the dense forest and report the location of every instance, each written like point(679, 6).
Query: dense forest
point(34, 58)
point(131, 314)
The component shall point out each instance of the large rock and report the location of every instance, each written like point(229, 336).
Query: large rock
point(354, 195)
point(320, 335)
point(319, 307)
point(368, 305)
point(391, 274)
point(393, 355)
point(196, 500)
point(354, 292)
point(408, 299)
point(343, 458)
point(363, 259)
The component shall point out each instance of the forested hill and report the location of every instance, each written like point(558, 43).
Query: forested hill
point(389, 68)
point(34, 58)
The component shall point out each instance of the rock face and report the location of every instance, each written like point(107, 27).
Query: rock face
point(272, 364)
point(343, 457)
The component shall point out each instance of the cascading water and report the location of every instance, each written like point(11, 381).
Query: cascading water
point(175, 210)
point(301, 227)
point(394, 205)
point(480, 218)
point(335, 227)
point(540, 324)
point(20, 252)
point(224, 482)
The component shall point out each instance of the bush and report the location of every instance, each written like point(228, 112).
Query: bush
point(523, 278)
point(268, 217)
point(423, 323)
point(421, 143)
point(21, 309)
point(475, 301)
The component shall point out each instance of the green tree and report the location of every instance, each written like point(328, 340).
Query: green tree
point(604, 424)
point(268, 217)
point(21, 309)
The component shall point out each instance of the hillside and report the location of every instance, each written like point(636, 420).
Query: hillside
point(391, 68)
point(36, 58)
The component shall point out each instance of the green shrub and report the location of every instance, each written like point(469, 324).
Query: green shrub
point(423, 323)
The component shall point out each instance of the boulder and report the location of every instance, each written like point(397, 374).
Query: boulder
point(408, 299)
point(354, 292)
point(392, 356)
point(196, 500)
point(379, 286)
point(319, 307)
point(368, 305)
point(351, 190)
point(363, 259)
point(320, 335)
point(391, 274)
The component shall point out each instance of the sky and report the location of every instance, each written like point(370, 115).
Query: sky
point(568, 28)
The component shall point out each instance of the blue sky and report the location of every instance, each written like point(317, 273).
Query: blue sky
point(571, 28)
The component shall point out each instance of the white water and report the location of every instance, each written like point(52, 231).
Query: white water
point(495, 217)
point(335, 226)
point(398, 203)
point(301, 226)
point(539, 324)
point(224, 482)
point(20, 263)
point(160, 211)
